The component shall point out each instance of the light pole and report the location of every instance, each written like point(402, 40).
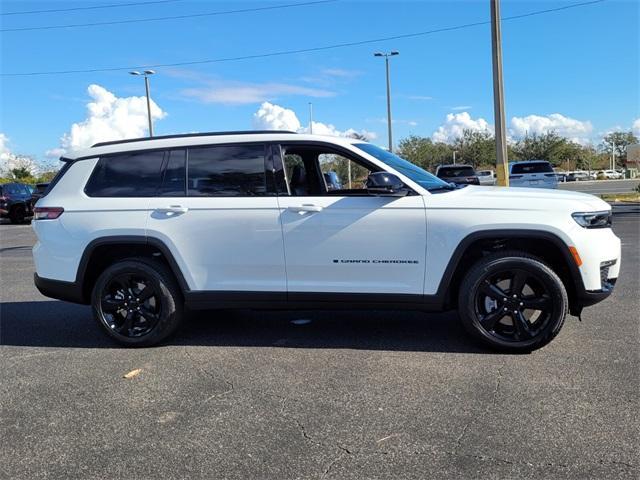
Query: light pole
point(498, 96)
point(146, 75)
point(310, 118)
point(386, 61)
point(454, 156)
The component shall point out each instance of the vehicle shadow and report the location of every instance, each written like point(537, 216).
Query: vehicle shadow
point(60, 324)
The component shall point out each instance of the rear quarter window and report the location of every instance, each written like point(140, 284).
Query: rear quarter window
point(136, 174)
point(533, 167)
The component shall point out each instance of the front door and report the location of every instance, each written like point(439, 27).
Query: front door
point(340, 239)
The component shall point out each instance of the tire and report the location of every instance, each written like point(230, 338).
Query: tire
point(512, 301)
point(137, 302)
point(17, 214)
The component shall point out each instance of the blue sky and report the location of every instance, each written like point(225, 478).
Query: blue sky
point(580, 63)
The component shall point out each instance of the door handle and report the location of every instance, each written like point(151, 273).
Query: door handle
point(305, 208)
point(172, 209)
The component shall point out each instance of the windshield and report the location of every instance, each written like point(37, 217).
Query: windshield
point(415, 173)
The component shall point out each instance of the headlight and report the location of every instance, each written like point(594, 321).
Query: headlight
point(593, 219)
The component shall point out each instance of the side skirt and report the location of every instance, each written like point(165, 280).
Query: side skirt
point(210, 300)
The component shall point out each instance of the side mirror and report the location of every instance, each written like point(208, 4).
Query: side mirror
point(384, 183)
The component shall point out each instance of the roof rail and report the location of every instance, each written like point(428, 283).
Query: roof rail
point(187, 135)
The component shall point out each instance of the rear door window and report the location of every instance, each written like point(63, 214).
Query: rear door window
point(136, 174)
point(227, 171)
point(532, 167)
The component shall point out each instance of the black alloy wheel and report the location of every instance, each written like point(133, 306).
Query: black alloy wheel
point(513, 301)
point(513, 305)
point(130, 305)
point(137, 302)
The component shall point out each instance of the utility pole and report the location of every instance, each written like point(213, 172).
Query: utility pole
point(146, 75)
point(498, 96)
point(310, 118)
point(454, 156)
point(613, 155)
point(386, 61)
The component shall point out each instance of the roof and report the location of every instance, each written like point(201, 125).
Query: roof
point(200, 139)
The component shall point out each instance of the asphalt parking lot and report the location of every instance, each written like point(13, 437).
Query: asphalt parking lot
point(347, 395)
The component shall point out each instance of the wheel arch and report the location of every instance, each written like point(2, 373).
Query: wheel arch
point(103, 251)
point(543, 244)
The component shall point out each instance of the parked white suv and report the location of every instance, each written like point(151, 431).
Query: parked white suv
point(532, 173)
point(141, 228)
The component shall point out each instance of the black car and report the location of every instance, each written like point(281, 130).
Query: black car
point(15, 202)
point(458, 174)
point(38, 192)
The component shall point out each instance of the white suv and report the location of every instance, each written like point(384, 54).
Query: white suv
point(141, 228)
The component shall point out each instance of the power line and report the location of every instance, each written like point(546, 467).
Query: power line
point(172, 17)
point(307, 50)
point(95, 7)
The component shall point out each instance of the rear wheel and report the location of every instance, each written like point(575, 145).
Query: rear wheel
point(512, 301)
point(17, 214)
point(137, 302)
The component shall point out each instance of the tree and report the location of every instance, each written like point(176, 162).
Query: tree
point(423, 152)
point(475, 148)
point(620, 140)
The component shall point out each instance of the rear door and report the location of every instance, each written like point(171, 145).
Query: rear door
point(219, 216)
point(340, 240)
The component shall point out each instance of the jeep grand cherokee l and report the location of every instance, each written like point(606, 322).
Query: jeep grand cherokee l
point(141, 228)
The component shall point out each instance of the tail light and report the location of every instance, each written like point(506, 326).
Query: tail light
point(47, 213)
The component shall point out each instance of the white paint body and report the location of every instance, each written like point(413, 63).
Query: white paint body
point(310, 244)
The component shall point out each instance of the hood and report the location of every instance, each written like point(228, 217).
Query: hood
point(517, 198)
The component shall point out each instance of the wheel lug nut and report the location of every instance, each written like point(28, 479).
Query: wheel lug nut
point(505, 309)
point(515, 311)
point(521, 304)
point(515, 296)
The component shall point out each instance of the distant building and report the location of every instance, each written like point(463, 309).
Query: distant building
point(632, 163)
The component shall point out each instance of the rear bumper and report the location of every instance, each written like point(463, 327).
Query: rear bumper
point(67, 291)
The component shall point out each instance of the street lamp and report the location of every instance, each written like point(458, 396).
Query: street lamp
point(386, 61)
point(146, 75)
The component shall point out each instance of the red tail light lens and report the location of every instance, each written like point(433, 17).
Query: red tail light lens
point(47, 213)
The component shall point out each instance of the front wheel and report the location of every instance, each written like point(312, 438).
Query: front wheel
point(512, 301)
point(137, 302)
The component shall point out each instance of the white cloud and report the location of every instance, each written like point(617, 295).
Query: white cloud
point(9, 160)
point(459, 108)
point(274, 117)
point(635, 127)
point(108, 118)
point(239, 93)
point(5, 152)
point(55, 152)
point(575, 130)
point(455, 125)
